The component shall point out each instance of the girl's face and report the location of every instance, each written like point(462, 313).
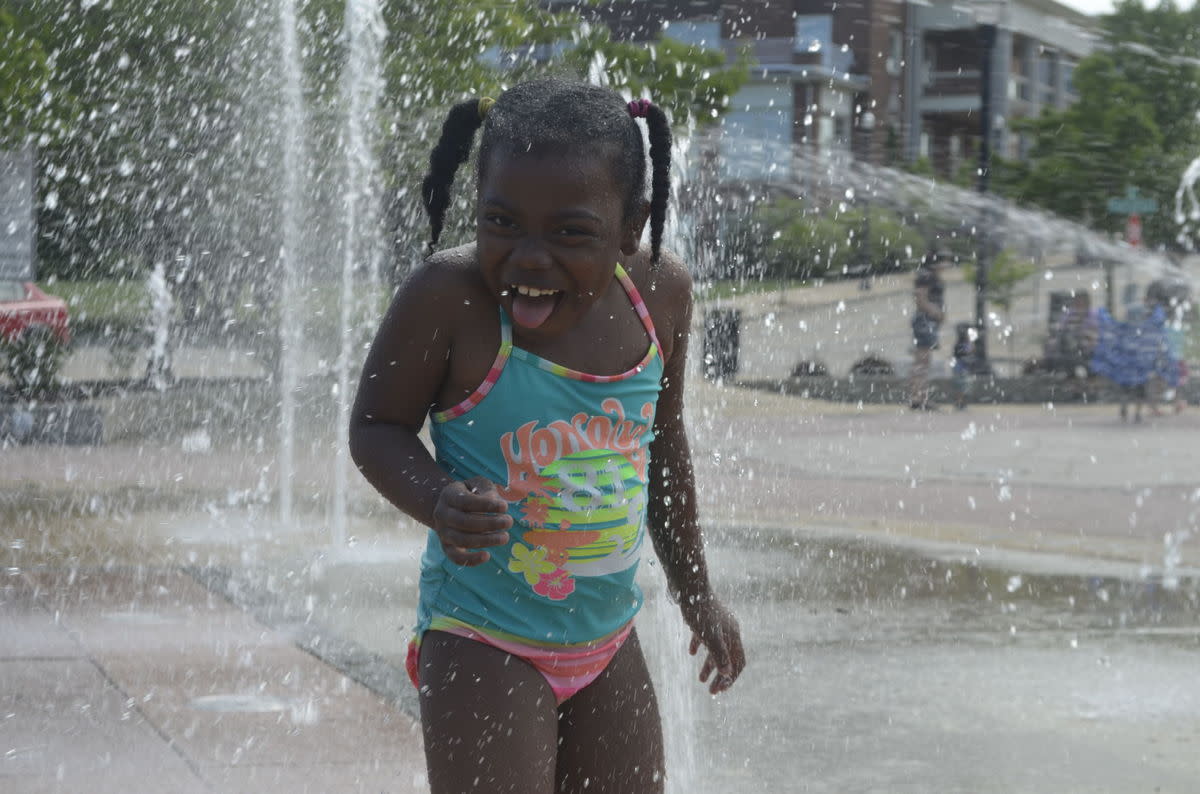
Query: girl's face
point(549, 231)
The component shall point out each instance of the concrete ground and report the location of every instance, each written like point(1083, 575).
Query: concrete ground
point(138, 679)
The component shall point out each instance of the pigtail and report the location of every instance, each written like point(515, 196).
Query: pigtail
point(452, 150)
point(660, 174)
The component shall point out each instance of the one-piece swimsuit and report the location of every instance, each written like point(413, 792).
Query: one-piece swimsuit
point(570, 452)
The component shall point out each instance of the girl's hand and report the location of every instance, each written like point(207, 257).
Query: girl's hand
point(471, 515)
point(715, 627)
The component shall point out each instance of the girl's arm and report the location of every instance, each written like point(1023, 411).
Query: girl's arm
point(404, 371)
point(674, 524)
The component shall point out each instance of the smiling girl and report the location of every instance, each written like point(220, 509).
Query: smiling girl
point(549, 356)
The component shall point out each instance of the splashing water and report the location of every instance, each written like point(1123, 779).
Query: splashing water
point(1187, 206)
point(362, 86)
point(293, 211)
point(161, 304)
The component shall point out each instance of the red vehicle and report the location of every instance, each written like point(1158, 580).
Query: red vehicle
point(26, 311)
point(34, 334)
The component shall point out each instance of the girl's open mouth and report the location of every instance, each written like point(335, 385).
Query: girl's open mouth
point(532, 306)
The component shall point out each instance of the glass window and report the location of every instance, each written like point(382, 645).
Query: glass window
point(703, 33)
point(814, 33)
point(1047, 68)
point(895, 51)
point(12, 291)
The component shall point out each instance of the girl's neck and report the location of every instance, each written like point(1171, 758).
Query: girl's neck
point(608, 340)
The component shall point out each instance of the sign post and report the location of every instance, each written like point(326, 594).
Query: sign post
point(16, 215)
point(1133, 206)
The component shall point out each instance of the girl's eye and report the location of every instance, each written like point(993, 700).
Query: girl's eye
point(575, 231)
point(499, 221)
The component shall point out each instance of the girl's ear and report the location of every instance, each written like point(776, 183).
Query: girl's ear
point(631, 238)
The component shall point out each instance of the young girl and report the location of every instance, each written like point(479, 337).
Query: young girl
point(549, 356)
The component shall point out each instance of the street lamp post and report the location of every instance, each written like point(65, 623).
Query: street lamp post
point(866, 123)
point(987, 43)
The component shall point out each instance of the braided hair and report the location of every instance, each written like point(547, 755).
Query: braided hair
point(552, 116)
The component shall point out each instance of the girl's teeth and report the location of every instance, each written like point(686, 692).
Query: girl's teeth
point(534, 292)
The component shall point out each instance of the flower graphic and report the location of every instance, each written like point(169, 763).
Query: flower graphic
point(536, 511)
point(555, 585)
point(531, 562)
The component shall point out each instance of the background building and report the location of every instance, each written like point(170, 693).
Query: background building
point(820, 65)
point(1038, 43)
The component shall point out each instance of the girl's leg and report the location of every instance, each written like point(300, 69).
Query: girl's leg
point(488, 718)
point(611, 735)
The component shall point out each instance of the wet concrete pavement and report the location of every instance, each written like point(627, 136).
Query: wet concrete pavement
point(926, 609)
point(136, 679)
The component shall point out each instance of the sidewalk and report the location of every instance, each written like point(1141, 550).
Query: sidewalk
point(141, 680)
point(838, 323)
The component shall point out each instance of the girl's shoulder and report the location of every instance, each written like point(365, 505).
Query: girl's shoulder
point(446, 290)
point(666, 288)
point(446, 273)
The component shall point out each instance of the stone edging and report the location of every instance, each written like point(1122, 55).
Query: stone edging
point(354, 660)
point(882, 389)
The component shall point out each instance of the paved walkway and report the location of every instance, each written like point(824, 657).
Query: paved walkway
point(136, 679)
point(1066, 479)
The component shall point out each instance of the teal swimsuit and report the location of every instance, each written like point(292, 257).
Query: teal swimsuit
point(571, 454)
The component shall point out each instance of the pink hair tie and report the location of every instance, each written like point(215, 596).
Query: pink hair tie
point(639, 108)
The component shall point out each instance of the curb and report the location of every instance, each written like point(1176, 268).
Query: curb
point(352, 659)
point(882, 389)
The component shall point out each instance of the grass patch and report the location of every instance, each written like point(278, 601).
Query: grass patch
point(728, 288)
point(98, 303)
point(107, 309)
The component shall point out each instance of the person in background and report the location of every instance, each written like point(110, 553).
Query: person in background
point(929, 294)
point(964, 362)
point(1130, 353)
point(1166, 386)
point(1073, 339)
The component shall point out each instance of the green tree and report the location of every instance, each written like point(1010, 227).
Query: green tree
point(1007, 271)
point(24, 78)
point(1134, 124)
point(1005, 274)
point(800, 241)
point(169, 146)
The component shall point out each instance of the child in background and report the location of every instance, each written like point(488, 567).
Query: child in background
point(549, 355)
point(964, 362)
point(929, 295)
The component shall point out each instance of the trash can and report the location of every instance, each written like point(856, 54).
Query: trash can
point(721, 331)
point(1060, 302)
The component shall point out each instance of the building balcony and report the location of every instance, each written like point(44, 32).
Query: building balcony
point(951, 92)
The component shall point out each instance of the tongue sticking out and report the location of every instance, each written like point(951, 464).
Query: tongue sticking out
point(531, 312)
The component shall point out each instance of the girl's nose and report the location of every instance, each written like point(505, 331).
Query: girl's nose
point(532, 254)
